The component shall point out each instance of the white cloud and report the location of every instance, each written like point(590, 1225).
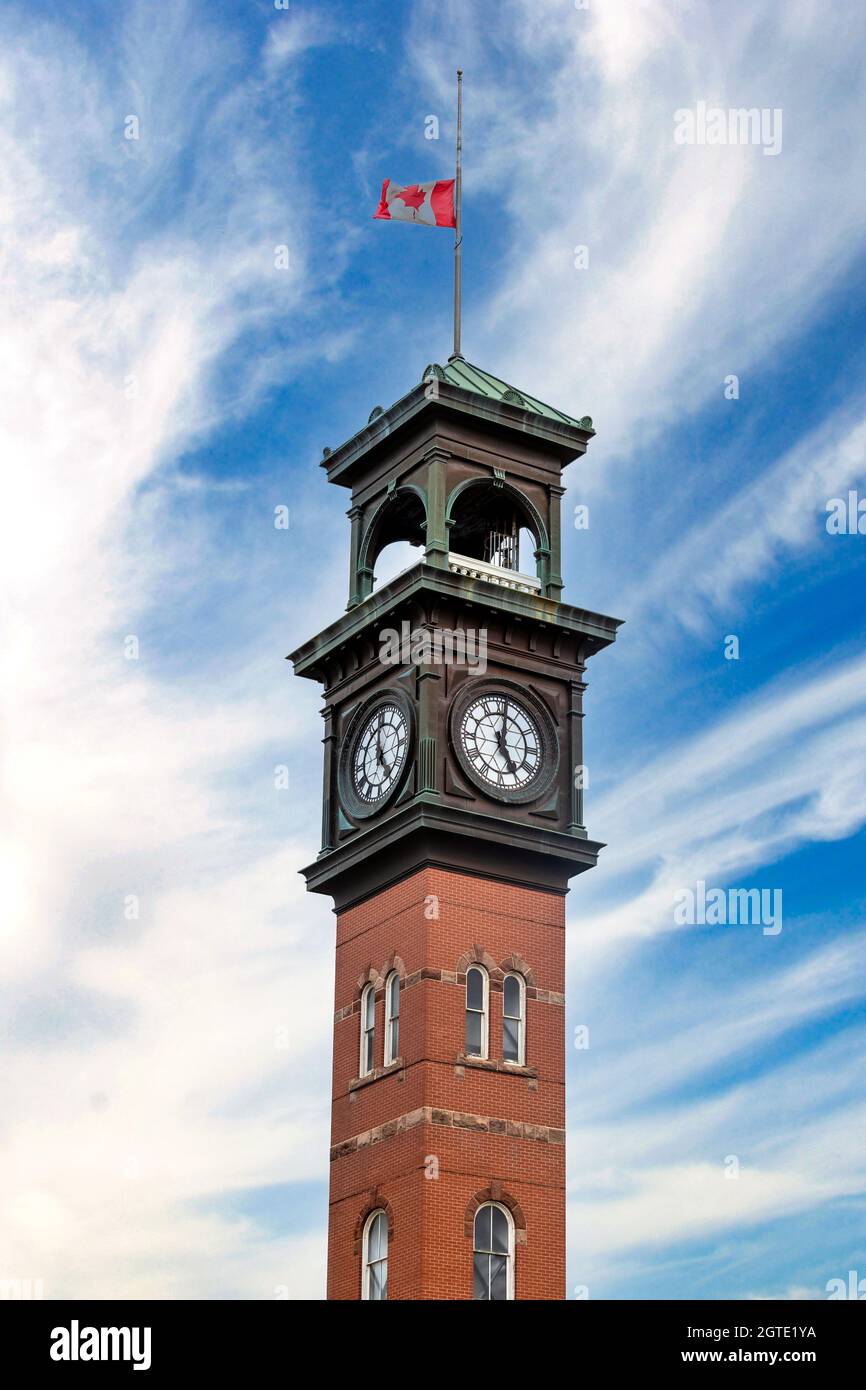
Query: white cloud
point(292, 34)
point(569, 118)
point(657, 1164)
point(752, 535)
point(135, 1045)
point(146, 313)
point(782, 769)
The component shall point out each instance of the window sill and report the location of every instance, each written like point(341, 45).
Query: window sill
point(492, 1064)
point(376, 1075)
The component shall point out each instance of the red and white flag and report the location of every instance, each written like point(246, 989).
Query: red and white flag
point(431, 204)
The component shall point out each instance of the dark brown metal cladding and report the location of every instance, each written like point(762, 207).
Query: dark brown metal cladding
point(408, 471)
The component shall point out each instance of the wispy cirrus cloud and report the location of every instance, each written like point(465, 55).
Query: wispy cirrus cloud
point(684, 242)
point(785, 768)
point(702, 263)
point(155, 976)
point(176, 1059)
point(713, 567)
point(683, 1140)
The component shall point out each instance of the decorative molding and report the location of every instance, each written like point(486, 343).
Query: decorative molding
point(493, 574)
point(495, 1193)
point(454, 977)
point(426, 765)
point(517, 963)
point(478, 956)
point(429, 972)
point(375, 1202)
point(372, 977)
point(376, 1074)
point(447, 1119)
point(394, 962)
point(493, 1064)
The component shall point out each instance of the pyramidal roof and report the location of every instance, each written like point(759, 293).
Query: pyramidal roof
point(461, 373)
point(462, 380)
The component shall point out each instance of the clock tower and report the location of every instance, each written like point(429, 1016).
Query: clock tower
point(452, 821)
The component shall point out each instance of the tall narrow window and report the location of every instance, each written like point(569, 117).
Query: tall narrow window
point(392, 1018)
point(374, 1282)
point(476, 1012)
point(493, 1254)
point(513, 1019)
point(368, 1028)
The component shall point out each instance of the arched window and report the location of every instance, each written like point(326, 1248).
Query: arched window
point(392, 1018)
point(368, 1029)
point(514, 1019)
point(374, 1282)
point(493, 1253)
point(488, 523)
point(476, 1011)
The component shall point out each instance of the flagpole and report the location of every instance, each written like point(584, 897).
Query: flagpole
point(458, 216)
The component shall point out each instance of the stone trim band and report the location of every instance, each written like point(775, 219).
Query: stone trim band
point(450, 977)
point(449, 1119)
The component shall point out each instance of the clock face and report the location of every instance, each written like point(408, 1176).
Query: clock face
point(502, 742)
point(379, 753)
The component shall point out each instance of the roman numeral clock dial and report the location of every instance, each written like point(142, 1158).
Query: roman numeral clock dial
point(502, 741)
point(505, 740)
point(376, 753)
point(380, 752)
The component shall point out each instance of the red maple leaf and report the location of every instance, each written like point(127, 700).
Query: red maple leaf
point(413, 196)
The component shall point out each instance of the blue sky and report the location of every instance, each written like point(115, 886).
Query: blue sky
point(166, 985)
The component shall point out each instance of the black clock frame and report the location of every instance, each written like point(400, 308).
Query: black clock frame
point(536, 707)
point(353, 804)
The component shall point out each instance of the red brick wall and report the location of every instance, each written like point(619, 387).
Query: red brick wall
point(480, 1130)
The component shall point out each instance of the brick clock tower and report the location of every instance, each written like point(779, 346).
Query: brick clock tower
point(452, 822)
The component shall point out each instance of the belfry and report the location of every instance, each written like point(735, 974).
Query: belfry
point(452, 821)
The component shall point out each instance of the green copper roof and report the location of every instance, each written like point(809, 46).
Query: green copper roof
point(462, 381)
point(462, 373)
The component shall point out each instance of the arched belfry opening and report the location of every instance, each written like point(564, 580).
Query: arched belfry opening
point(398, 527)
point(463, 475)
point(494, 524)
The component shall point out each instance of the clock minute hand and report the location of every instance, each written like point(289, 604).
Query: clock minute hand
point(503, 748)
point(380, 755)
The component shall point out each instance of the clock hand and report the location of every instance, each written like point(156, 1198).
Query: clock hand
point(385, 763)
point(503, 749)
point(502, 745)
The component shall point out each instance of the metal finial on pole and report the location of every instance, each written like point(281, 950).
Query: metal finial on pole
point(458, 216)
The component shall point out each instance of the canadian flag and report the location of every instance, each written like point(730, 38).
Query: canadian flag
point(431, 204)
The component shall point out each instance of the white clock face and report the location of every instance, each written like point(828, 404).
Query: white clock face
point(502, 742)
point(380, 753)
